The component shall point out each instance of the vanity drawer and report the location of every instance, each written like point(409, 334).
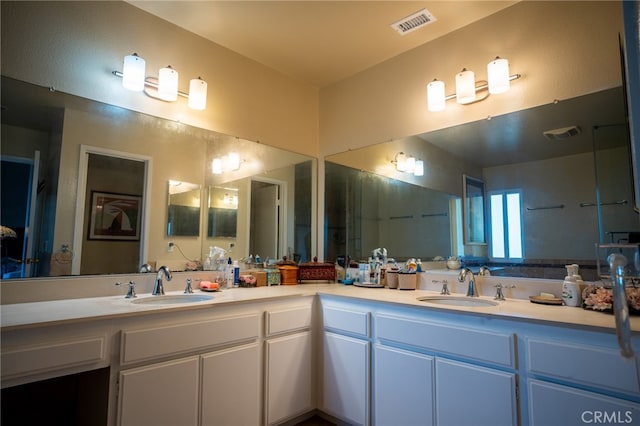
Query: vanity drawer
point(292, 319)
point(479, 345)
point(349, 321)
point(149, 343)
point(583, 364)
point(52, 356)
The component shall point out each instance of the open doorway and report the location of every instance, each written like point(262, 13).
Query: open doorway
point(19, 216)
point(267, 218)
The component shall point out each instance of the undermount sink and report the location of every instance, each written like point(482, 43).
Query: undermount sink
point(173, 299)
point(469, 302)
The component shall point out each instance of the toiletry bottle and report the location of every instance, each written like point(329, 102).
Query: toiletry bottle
point(236, 273)
point(570, 288)
point(228, 273)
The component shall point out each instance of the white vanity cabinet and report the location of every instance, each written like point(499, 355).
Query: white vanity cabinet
point(346, 368)
point(578, 378)
point(429, 372)
point(404, 387)
point(163, 393)
point(289, 384)
point(185, 380)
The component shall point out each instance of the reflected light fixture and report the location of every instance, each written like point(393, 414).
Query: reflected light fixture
point(498, 81)
point(227, 163)
point(408, 164)
point(165, 87)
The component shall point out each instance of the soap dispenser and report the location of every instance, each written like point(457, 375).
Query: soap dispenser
point(571, 293)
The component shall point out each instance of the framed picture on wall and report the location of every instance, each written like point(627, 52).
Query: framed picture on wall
point(114, 216)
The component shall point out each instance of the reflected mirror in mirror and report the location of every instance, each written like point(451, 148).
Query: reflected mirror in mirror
point(47, 128)
point(183, 212)
point(473, 210)
point(366, 211)
point(572, 184)
point(222, 212)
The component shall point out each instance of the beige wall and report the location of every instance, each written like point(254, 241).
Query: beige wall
point(562, 49)
point(74, 46)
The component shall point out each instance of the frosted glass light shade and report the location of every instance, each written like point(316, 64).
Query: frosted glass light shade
point(168, 84)
point(411, 164)
point(465, 87)
point(498, 75)
point(216, 166)
point(419, 168)
point(197, 94)
point(435, 96)
point(133, 73)
point(401, 162)
point(233, 161)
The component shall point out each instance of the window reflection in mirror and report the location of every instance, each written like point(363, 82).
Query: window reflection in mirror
point(473, 210)
point(183, 212)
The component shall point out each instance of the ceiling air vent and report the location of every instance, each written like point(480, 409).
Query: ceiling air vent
point(413, 22)
point(562, 133)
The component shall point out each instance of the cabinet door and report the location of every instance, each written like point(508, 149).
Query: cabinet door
point(288, 378)
point(403, 387)
point(160, 394)
point(346, 378)
point(556, 405)
point(231, 386)
point(467, 394)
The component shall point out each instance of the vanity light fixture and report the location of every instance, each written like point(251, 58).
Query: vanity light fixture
point(165, 87)
point(498, 81)
point(408, 164)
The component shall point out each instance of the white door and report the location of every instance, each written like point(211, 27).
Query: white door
point(165, 393)
point(288, 379)
point(265, 220)
point(346, 378)
point(404, 387)
point(231, 386)
point(462, 396)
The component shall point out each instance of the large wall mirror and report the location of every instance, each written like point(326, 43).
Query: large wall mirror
point(573, 186)
point(46, 133)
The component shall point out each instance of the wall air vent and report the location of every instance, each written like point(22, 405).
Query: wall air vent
point(562, 133)
point(413, 22)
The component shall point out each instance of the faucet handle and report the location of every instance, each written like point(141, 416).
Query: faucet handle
point(499, 293)
point(188, 289)
point(131, 292)
point(445, 288)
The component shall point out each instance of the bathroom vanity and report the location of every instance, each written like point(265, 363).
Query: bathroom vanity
point(270, 355)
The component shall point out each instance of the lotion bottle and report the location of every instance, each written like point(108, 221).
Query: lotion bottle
point(571, 293)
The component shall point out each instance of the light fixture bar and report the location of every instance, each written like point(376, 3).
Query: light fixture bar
point(152, 84)
point(483, 86)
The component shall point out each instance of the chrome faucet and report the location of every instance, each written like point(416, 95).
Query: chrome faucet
point(484, 271)
point(158, 288)
point(471, 290)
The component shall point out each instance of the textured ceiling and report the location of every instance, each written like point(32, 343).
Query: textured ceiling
point(318, 42)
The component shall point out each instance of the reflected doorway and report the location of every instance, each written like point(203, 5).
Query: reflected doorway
point(20, 216)
point(110, 234)
point(267, 217)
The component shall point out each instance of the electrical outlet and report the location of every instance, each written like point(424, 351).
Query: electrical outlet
point(170, 247)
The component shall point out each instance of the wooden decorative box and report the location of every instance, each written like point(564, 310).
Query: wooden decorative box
point(316, 271)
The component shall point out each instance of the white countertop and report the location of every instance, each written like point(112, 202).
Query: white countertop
point(31, 314)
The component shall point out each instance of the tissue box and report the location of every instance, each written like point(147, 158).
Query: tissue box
point(264, 277)
point(312, 271)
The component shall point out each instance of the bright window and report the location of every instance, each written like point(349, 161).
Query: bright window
point(506, 225)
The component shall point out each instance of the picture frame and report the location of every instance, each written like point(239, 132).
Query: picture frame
point(115, 216)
